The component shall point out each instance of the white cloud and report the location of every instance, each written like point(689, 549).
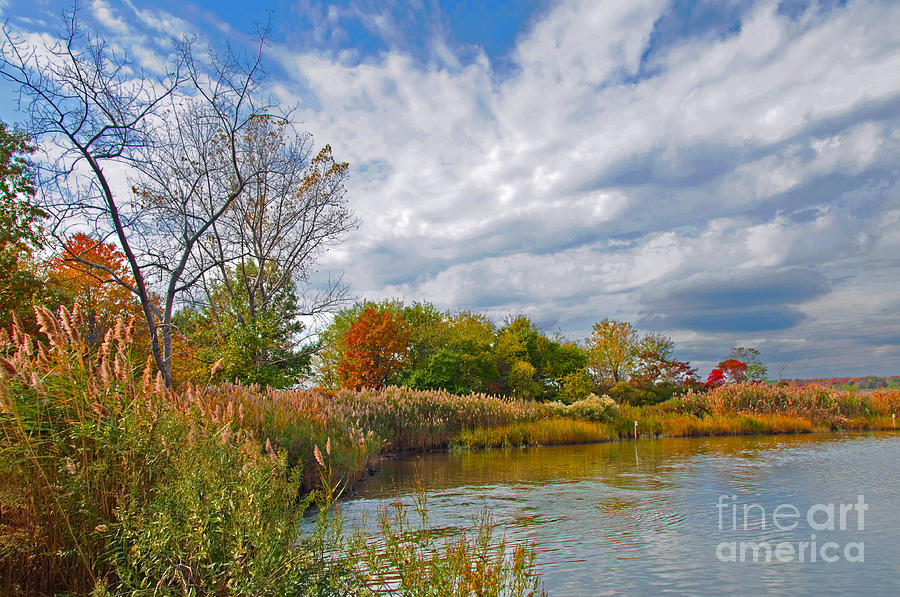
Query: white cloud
point(104, 14)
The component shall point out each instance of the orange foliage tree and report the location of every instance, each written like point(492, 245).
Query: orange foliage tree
point(83, 272)
point(375, 346)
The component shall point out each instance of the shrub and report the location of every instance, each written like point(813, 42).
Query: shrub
point(575, 386)
point(594, 408)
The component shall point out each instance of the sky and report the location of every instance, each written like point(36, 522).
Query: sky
point(723, 171)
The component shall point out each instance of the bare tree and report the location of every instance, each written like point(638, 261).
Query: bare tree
point(293, 208)
point(177, 142)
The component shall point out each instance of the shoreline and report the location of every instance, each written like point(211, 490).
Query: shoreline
point(450, 450)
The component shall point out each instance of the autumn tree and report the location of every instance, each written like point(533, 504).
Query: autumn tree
point(328, 359)
point(733, 370)
point(656, 364)
point(756, 369)
point(375, 346)
point(264, 247)
point(86, 272)
point(612, 349)
point(20, 224)
point(715, 379)
point(463, 352)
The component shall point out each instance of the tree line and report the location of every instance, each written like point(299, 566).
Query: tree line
point(374, 344)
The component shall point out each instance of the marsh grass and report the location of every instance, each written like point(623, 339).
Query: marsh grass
point(112, 484)
point(737, 409)
point(552, 431)
point(413, 558)
point(360, 425)
point(819, 404)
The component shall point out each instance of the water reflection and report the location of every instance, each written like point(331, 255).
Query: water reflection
point(641, 517)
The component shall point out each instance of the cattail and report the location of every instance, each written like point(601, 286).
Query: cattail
point(119, 367)
point(28, 346)
point(120, 335)
point(36, 382)
point(106, 346)
point(66, 323)
point(77, 320)
point(105, 375)
point(129, 330)
point(17, 328)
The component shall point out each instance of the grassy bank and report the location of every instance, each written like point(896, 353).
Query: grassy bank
point(364, 424)
point(739, 409)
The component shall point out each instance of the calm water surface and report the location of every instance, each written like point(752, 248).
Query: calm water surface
point(642, 518)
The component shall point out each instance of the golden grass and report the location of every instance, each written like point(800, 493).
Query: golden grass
point(686, 425)
point(543, 432)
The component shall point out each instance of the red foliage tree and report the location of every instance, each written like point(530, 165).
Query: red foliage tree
point(734, 371)
point(374, 348)
point(716, 378)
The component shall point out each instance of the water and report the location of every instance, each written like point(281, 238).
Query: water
point(642, 518)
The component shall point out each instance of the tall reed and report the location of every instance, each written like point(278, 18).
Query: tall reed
point(111, 482)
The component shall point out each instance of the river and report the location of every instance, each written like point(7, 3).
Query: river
point(820, 513)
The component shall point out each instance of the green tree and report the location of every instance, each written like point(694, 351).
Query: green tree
point(257, 342)
point(20, 225)
point(465, 362)
point(521, 341)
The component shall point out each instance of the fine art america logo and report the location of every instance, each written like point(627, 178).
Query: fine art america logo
point(788, 518)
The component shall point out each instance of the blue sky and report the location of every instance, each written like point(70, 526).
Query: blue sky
point(724, 171)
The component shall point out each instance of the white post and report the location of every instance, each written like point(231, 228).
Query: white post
point(894, 420)
point(635, 430)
